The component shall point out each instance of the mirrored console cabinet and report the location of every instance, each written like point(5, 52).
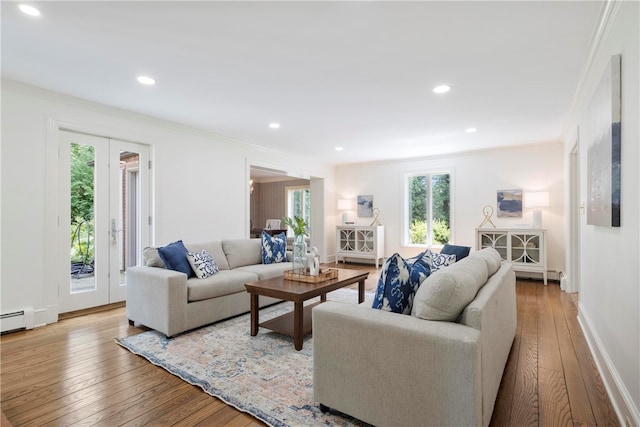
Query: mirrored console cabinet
point(361, 242)
point(526, 248)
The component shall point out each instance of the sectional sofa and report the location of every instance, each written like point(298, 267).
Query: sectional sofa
point(171, 302)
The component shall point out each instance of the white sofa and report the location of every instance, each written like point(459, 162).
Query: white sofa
point(170, 302)
point(391, 369)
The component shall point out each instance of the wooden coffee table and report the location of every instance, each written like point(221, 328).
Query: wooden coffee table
point(297, 324)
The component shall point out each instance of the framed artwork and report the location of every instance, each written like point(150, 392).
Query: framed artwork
point(365, 206)
point(603, 154)
point(509, 203)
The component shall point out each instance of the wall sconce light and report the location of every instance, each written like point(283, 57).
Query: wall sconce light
point(250, 186)
point(345, 206)
point(536, 199)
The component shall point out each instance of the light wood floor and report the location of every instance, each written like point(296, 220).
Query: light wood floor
point(72, 373)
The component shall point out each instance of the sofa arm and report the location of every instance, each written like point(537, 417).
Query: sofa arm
point(157, 298)
point(392, 369)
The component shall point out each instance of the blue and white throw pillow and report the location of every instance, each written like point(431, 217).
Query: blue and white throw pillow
point(438, 261)
point(202, 263)
point(274, 248)
point(174, 256)
point(399, 280)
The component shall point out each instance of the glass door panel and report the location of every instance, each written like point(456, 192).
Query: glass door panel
point(129, 211)
point(104, 217)
point(83, 254)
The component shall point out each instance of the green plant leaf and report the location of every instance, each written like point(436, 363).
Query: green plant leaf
point(297, 224)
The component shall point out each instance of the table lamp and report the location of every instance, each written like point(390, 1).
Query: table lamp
point(536, 199)
point(345, 206)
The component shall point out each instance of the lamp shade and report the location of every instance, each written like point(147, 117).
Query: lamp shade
point(344, 204)
point(536, 199)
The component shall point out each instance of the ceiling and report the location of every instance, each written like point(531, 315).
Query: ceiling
point(357, 75)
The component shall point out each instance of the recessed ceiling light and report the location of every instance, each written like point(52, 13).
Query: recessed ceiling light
point(29, 10)
point(339, 148)
point(470, 130)
point(274, 125)
point(146, 80)
point(441, 89)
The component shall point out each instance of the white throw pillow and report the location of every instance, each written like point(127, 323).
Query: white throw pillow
point(438, 261)
point(202, 264)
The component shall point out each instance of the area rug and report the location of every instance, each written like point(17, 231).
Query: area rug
point(262, 375)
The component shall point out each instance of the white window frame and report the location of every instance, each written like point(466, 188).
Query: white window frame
point(406, 240)
point(287, 191)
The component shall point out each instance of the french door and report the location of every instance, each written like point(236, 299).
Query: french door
point(103, 217)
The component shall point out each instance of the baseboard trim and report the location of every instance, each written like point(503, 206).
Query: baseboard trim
point(621, 400)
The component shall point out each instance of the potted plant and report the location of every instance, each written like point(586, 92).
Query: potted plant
point(299, 249)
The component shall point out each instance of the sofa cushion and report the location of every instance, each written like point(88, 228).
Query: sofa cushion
point(214, 248)
point(202, 264)
point(274, 248)
point(398, 283)
point(241, 252)
point(151, 258)
point(491, 257)
point(443, 296)
point(174, 256)
point(267, 271)
point(459, 251)
point(223, 283)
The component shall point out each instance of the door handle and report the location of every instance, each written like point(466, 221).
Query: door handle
point(114, 231)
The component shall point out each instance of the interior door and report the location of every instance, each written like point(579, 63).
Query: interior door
point(103, 217)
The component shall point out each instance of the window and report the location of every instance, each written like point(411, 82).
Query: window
point(298, 203)
point(427, 208)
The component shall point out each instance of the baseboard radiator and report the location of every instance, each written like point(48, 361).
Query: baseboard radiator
point(17, 320)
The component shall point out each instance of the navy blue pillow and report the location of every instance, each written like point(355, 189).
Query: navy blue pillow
point(398, 283)
point(174, 256)
point(274, 248)
point(459, 251)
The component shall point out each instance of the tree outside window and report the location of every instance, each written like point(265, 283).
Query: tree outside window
point(299, 203)
point(82, 189)
point(428, 208)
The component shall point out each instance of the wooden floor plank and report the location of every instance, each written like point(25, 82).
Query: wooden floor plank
point(206, 409)
point(60, 381)
point(554, 399)
point(548, 346)
point(109, 406)
point(601, 407)
point(60, 404)
point(220, 418)
point(525, 406)
point(189, 403)
point(144, 406)
point(73, 373)
point(581, 410)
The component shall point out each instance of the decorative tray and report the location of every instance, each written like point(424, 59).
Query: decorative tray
point(324, 275)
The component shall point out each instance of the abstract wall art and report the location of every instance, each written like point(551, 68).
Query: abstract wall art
point(365, 206)
point(604, 151)
point(509, 203)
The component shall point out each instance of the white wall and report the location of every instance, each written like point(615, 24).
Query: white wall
point(609, 308)
point(185, 160)
point(476, 178)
